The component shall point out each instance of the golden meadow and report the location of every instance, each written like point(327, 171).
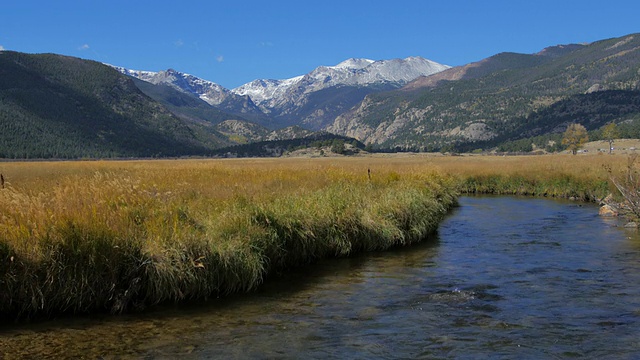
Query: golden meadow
point(79, 237)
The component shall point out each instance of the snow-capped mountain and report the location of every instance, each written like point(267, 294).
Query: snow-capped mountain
point(312, 100)
point(270, 94)
point(315, 99)
point(263, 91)
point(208, 91)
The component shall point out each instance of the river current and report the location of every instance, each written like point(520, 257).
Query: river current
point(504, 278)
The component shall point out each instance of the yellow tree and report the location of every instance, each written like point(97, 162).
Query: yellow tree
point(609, 133)
point(575, 136)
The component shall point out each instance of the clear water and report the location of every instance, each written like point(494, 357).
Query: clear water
point(505, 278)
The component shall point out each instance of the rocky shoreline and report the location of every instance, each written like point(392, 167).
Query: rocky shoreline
point(610, 207)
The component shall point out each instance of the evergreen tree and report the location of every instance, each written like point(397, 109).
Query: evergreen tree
point(338, 146)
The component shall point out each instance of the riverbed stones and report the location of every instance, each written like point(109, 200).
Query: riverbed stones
point(607, 211)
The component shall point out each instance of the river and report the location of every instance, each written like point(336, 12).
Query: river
point(504, 278)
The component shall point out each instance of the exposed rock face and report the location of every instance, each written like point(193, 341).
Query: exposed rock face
point(594, 88)
point(353, 126)
point(506, 96)
point(404, 120)
point(312, 100)
point(240, 130)
point(478, 131)
point(244, 131)
point(315, 99)
point(210, 92)
point(291, 132)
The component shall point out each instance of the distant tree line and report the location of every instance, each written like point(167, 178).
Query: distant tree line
point(277, 148)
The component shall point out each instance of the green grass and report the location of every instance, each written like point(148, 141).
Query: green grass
point(558, 186)
point(584, 178)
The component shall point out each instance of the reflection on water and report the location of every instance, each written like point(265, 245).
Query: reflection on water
point(506, 278)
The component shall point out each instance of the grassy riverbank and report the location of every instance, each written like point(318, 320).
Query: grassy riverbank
point(584, 177)
point(80, 237)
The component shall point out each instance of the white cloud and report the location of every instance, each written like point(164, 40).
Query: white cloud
point(178, 43)
point(84, 47)
point(2, 48)
point(219, 58)
point(266, 44)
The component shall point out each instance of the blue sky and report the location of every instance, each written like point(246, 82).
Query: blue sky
point(234, 42)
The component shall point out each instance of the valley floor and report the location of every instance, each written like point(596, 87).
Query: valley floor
point(99, 236)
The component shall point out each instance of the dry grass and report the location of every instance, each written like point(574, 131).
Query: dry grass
point(112, 236)
point(566, 176)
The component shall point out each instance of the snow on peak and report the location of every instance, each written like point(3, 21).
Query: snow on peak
point(140, 74)
point(269, 94)
point(351, 72)
point(353, 63)
point(206, 90)
point(262, 90)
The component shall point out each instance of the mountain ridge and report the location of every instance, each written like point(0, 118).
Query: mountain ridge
point(210, 92)
point(280, 103)
point(54, 106)
point(59, 106)
point(492, 99)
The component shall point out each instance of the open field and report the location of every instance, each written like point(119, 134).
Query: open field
point(621, 146)
point(582, 177)
point(117, 236)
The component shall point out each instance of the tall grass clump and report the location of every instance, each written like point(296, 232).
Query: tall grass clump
point(628, 185)
point(561, 176)
point(120, 236)
point(344, 219)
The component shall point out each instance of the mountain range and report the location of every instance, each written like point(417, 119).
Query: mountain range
point(312, 100)
point(504, 98)
point(58, 106)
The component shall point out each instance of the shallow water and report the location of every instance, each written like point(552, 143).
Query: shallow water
point(505, 278)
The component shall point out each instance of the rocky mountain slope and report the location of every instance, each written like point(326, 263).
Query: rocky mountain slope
point(505, 97)
point(315, 99)
point(184, 105)
point(243, 132)
point(312, 100)
point(220, 98)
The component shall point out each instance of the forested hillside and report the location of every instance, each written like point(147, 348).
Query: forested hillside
point(276, 148)
point(184, 105)
point(504, 98)
point(53, 106)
